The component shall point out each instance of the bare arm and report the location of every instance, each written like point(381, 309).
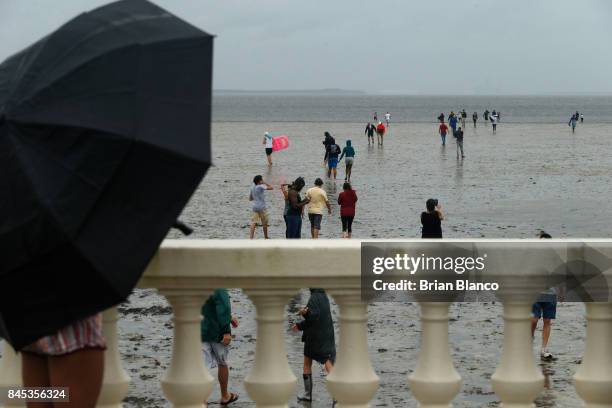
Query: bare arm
point(439, 211)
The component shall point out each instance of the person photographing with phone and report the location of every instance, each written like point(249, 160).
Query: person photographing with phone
point(431, 220)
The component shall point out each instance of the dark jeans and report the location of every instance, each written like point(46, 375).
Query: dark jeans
point(294, 226)
point(347, 223)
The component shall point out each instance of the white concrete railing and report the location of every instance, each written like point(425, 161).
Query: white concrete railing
point(270, 272)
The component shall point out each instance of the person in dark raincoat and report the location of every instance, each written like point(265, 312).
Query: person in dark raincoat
point(318, 336)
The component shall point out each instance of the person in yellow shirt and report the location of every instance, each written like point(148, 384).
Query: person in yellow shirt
point(318, 200)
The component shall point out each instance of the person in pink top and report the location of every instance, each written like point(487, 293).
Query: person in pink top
point(347, 200)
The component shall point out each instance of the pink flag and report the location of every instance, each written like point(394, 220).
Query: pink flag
point(280, 143)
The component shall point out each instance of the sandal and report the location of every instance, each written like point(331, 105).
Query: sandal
point(233, 398)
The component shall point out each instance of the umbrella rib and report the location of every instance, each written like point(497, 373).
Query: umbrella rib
point(59, 162)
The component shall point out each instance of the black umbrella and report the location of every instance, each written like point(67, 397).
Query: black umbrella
point(104, 137)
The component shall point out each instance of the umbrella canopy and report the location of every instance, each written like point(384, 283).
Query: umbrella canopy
point(104, 137)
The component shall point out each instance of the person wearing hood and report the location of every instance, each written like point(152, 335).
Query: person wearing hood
point(318, 337)
point(332, 158)
point(349, 152)
point(329, 141)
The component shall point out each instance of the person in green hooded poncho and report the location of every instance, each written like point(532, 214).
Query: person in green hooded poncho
point(349, 152)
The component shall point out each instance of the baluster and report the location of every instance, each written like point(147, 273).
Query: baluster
point(517, 381)
point(352, 382)
point(116, 380)
point(10, 372)
point(593, 380)
point(271, 382)
point(434, 382)
point(187, 383)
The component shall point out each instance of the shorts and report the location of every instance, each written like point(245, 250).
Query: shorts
point(546, 310)
point(215, 354)
point(350, 161)
point(320, 358)
point(260, 217)
point(315, 220)
point(347, 223)
point(268, 151)
point(332, 162)
point(82, 334)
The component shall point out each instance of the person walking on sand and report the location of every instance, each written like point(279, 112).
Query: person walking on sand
point(431, 220)
point(572, 122)
point(443, 130)
point(267, 140)
point(216, 336)
point(459, 139)
point(545, 308)
point(474, 118)
point(380, 132)
point(327, 142)
point(296, 209)
point(317, 198)
point(375, 117)
point(347, 200)
point(332, 159)
point(494, 118)
point(388, 118)
point(452, 121)
point(369, 131)
point(317, 329)
point(349, 152)
point(441, 118)
point(463, 117)
point(260, 212)
point(485, 116)
point(285, 190)
point(581, 118)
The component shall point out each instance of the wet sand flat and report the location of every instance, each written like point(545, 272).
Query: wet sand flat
point(524, 178)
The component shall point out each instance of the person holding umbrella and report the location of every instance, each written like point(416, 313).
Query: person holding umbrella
point(93, 157)
point(73, 358)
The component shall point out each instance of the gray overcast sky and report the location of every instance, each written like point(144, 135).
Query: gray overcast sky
point(425, 47)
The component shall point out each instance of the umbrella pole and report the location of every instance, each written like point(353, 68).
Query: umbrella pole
point(10, 372)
